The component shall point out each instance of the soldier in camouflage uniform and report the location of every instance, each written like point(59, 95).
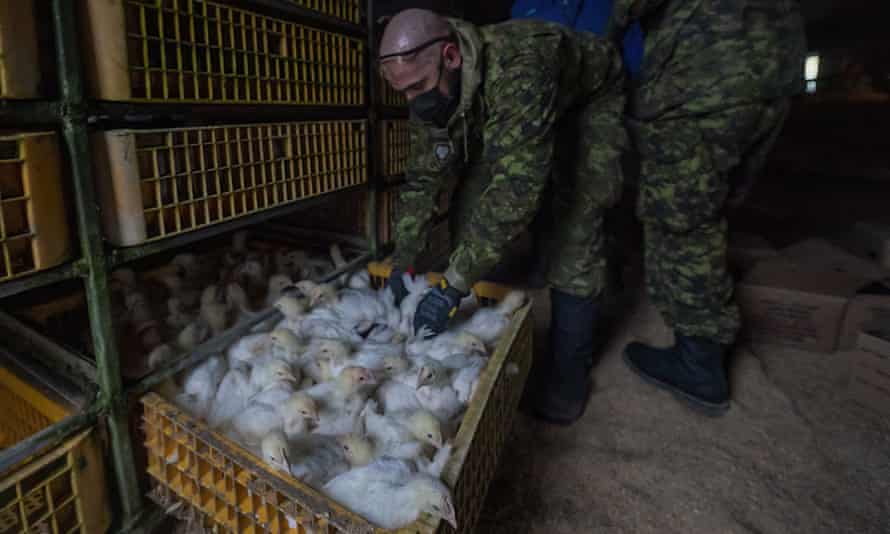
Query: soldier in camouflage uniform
point(708, 105)
point(498, 113)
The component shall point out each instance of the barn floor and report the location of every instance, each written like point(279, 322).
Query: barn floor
point(792, 455)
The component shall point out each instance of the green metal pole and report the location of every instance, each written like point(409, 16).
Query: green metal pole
point(74, 128)
point(374, 168)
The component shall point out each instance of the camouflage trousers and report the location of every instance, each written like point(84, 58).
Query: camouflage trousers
point(689, 168)
point(586, 180)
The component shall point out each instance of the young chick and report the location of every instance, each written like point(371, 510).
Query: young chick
point(199, 386)
point(299, 412)
point(251, 274)
point(277, 408)
point(435, 392)
point(278, 283)
point(389, 493)
point(360, 279)
point(401, 434)
point(488, 324)
point(274, 451)
point(318, 459)
point(465, 371)
point(293, 311)
point(341, 401)
point(238, 301)
point(248, 349)
point(231, 397)
point(214, 309)
point(285, 345)
point(290, 262)
point(269, 372)
point(318, 294)
point(444, 345)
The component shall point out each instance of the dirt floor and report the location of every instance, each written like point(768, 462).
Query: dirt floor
point(792, 455)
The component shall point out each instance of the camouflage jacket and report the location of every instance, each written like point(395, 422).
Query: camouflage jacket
point(706, 55)
point(517, 80)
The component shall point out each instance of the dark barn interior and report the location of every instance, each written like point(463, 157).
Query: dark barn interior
point(181, 181)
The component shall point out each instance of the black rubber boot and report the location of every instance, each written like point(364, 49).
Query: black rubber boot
point(563, 395)
point(692, 370)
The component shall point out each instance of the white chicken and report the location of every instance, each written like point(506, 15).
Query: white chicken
point(444, 345)
point(401, 434)
point(340, 402)
point(435, 391)
point(391, 494)
point(489, 324)
point(199, 386)
point(293, 310)
point(231, 397)
point(317, 459)
point(278, 284)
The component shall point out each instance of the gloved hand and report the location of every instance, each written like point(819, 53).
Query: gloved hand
point(397, 285)
point(436, 308)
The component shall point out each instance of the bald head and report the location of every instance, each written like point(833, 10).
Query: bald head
point(410, 29)
point(418, 53)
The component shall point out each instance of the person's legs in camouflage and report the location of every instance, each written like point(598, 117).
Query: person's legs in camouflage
point(684, 188)
point(587, 181)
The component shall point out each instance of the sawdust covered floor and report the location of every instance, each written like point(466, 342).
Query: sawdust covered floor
point(791, 456)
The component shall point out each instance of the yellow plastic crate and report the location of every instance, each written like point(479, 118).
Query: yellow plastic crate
point(395, 141)
point(347, 10)
point(19, 60)
point(204, 52)
point(159, 183)
point(234, 491)
point(33, 224)
point(61, 490)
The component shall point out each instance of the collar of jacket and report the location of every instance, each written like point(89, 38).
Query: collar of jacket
point(471, 67)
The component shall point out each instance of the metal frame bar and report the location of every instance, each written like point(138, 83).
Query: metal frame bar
point(74, 130)
point(376, 176)
point(66, 271)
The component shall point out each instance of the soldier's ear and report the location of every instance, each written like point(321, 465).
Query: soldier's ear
point(451, 55)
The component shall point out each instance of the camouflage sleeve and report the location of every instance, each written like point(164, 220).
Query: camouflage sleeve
point(416, 204)
point(518, 150)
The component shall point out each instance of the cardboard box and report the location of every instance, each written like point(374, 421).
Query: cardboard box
point(870, 379)
point(869, 309)
point(746, 250)
point(821, 254)
point(784, 303)
point(871, 240)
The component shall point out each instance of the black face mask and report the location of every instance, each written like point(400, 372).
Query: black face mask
point(434, 106)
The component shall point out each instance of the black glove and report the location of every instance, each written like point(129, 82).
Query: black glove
point(436, 308)
point(397, 285)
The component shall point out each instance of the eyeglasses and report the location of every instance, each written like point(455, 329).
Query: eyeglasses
point(405, 56)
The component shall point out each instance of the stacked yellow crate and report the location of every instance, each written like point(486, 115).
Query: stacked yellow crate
point(59, 490)
point(159, 183)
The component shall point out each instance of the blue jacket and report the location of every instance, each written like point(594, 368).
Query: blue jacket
point(584, 15)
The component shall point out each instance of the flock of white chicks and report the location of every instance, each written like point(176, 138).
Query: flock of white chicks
point(340, 393)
